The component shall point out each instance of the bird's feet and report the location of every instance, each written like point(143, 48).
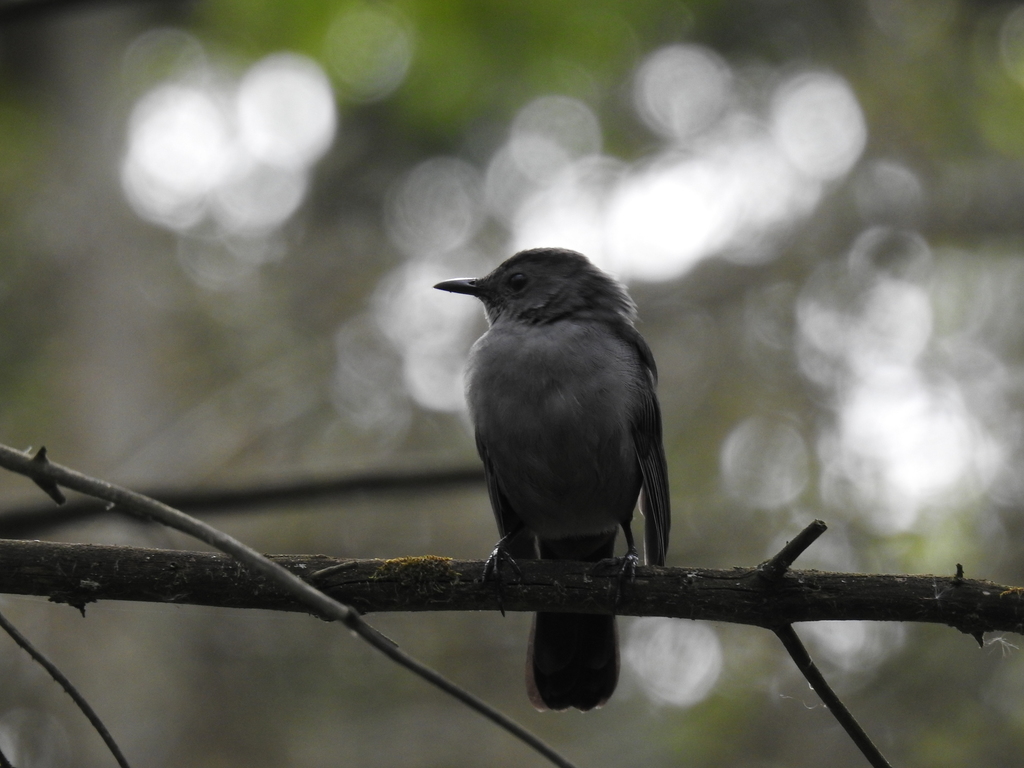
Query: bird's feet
point(492, 567)
point(626, 567)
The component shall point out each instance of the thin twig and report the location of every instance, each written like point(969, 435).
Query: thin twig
point(810, 671)
point(317, 601)
point(774, 569)
point(70, 689)
point(29, 520)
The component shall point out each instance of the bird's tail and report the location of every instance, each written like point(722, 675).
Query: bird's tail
point(572, 660)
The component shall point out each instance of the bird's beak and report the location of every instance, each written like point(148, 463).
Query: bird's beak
point(467, 285)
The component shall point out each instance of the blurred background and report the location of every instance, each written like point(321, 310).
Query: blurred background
point(220, 222)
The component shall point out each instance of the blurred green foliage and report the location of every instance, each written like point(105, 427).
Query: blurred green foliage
point(473, 60)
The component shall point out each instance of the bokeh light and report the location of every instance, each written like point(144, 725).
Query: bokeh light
point(854, 646)
point(179, 150)
point(549, 133)
point(666, 217)
point(730, 193)
point(677, 662)
point(905, 444)
point(432, 331)
point(258, 201)
point(817, 123)
point(571, 210)
point(285, 111)
point(681, 90)
point(160, 53)
point(889, 192)
point(436, 208)
point(369, 47)
point(203, 151)
point(904, 437)
point(1011, 43)
point(764, 463)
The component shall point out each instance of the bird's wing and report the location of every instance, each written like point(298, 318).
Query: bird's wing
point(506, 518)
point(650, 452)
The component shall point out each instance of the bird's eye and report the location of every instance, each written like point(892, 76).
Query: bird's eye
point(517, 282)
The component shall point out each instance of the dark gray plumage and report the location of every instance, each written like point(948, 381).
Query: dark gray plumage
point(561, 390)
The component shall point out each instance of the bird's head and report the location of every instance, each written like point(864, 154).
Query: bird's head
point(543, 285)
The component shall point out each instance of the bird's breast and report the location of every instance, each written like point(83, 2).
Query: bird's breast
point(553, 406)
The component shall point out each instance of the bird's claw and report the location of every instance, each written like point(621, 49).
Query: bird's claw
point(626, 567)
point(492, 569)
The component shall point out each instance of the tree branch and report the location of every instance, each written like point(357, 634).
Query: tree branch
point(82, 573)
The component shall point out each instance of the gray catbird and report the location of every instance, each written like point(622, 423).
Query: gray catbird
point(561, 390)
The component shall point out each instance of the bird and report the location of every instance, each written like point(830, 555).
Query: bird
point(561, 390)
